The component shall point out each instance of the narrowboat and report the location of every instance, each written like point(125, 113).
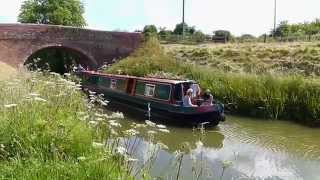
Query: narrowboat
point(160, 99)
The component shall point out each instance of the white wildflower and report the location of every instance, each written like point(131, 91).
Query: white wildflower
point(92, 93)
point(98, 115)
point(121, 150)
point(161, 126)
point(177, 153)
point(97, 145)
point(10, 105)
point(49, 83)
point(152, 132)
point(55, 74)
point(131, 132)
point(104, 103)
point(199, 144)
point(34, 94)
point(67, 74)
point(93, 123)
point(84, 118)
point(164, 130)
point(81, 113)
point(40, 99)
point(114, 123)
point(132, 160)
point(162, 146)
point(117, 115)
point(99, 119)
point(113, 132)
point(149, 123)
point(81, 158)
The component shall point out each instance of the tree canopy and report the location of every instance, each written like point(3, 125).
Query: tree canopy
point(187, 29)
point(150, 30)
point(56, 12)
point(285, 29)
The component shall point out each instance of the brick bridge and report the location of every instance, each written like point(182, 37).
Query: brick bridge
point(19, 41)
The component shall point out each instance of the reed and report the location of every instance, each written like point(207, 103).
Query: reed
point(266, 95)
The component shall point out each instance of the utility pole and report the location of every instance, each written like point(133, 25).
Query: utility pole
point(275, 18)
point(183, 20)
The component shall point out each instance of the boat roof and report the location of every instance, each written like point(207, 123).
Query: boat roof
point(160, 80)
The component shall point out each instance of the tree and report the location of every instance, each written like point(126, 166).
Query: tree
point(56, 12)
point(150, 30)
point(187, 29)
point(164, 33)
point(283, 29)
point(199, 36)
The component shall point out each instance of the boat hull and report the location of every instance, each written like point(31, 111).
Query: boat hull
point(160, 111)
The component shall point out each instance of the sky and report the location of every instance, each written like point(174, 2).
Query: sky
point(238, 16)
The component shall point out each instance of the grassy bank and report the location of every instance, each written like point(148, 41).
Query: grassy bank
point(46, 132)
point(301, 58)
point(268, 95)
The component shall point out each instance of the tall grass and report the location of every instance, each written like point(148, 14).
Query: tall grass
point(45, 132)
point(267, 95)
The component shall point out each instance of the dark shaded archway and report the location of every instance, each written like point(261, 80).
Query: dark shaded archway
point(58, 59)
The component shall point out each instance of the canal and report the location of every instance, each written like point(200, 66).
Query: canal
point(240, 148)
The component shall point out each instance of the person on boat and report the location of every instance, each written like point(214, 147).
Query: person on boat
point(187, 99)
point(208, 99)
point(196, 90)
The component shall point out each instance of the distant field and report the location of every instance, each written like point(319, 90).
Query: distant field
point(6, 71)
point(298, 58)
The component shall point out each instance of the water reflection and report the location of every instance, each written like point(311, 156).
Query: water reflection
point(237, 149)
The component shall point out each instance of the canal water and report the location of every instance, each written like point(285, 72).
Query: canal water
point(240, 148)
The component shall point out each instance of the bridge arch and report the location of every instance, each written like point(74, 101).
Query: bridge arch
point(20, 41)
point(80, 57)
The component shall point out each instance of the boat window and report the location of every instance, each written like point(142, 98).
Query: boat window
point(149, 90)
point(140, 88)
point(113, 84)
point(121, 84)
point(159, 91)
point(118, 84)
point(93, 80)
point(162, 92)
point(105, 82)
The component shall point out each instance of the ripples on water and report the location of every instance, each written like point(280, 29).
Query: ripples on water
point(257, 149)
